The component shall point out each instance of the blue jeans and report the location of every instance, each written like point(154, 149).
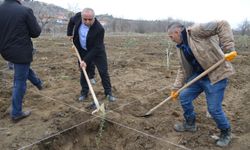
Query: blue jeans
point(214, 96)
point(22, 72)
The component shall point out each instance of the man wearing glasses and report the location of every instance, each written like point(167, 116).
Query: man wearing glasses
point(88, 36)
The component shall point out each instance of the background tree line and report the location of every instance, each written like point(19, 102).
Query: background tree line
point(53, 19)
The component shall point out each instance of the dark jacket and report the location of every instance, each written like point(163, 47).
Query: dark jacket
point(95, 38)
point(17, 24)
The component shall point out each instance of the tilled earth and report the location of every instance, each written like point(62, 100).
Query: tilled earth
point(140, 79)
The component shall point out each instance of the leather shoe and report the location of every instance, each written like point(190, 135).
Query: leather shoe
point(93, 81)
point(24, 115)
point(82, 98)
point(111, 98)
point(40, 86)
point(91, 106)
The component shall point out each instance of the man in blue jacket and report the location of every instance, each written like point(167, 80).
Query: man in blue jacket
point(88, 37)
point(18, 25)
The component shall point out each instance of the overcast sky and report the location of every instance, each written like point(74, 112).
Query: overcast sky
point(199, 11)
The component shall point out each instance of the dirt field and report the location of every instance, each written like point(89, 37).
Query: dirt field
point(140, 80)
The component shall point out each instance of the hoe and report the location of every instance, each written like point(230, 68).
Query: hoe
point(232, 54)
point(98, 107)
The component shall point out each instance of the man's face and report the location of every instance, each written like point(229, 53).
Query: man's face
point(175, 35)
point(88, 18)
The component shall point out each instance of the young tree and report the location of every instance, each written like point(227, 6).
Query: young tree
point(44, 19)
point(244, 27)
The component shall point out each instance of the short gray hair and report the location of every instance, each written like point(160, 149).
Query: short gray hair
point(175, 25)
point(87, 10)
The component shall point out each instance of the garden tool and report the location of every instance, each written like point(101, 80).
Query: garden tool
point(98, 107)
point(228, 57)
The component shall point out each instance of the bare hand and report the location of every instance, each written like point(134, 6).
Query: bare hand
point(70, 38)
point(83, 64)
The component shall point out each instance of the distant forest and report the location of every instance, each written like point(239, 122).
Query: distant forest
point(54, 19)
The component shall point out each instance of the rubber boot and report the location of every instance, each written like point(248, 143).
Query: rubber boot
point(225, 137)
point(188, 126)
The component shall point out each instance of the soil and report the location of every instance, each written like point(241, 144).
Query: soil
point(140, 80)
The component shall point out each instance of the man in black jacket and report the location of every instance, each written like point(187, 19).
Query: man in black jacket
point(88, 37)
point(18, 25)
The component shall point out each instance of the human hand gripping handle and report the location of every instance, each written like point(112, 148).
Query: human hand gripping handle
point(83, 64)
point(70, 38)
point(230, 56)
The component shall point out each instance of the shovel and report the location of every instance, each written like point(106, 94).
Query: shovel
point(98, 107)
point(232, 54)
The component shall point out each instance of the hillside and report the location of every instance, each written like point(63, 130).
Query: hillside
point(54, 19)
